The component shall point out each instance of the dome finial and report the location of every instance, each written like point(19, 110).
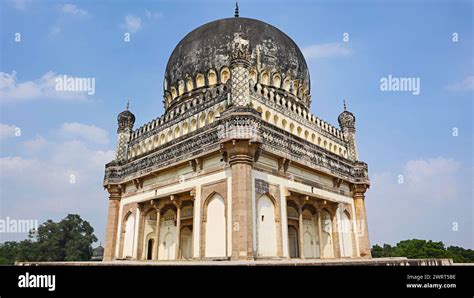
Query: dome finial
point(345, 108)
point(236, 9)
point(128, 104)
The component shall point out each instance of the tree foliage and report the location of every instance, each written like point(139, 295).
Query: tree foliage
point(422, 249)
point(67, 240)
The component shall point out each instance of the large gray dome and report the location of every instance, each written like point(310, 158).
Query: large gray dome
point(208, 47)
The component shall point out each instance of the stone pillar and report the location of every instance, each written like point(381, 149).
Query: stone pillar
point(335, 234)
point(178, 229)
point(361, 220)
point(320, 234)
point(241, 154)
point(141, 233)
point(284, 221)
point(115, 193)
point(301, 231)
point(157, 233)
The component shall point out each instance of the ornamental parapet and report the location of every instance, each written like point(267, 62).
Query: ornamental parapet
point(238, 123)
point(284, 103)
point(200, 100)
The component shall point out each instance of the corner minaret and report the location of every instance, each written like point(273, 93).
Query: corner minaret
point(347, 124)
point(240, 62)
point(125, 125)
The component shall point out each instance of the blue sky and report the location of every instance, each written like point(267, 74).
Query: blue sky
point(398, 133)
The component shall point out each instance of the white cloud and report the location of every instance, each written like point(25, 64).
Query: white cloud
point(7, 131)
point(132, 23)
point(74, 10)
point(422, 177)
point(424, 180)
point(422, 169)
point(435, 193)
point(467, 84)
point(19, 4)
point(326, 50)
point(82, 131)
point(40, 187)
point(35, 145)
point(45, 87)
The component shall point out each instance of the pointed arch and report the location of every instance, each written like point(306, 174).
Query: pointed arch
point(265, 78)
point(327, 234)
point(266, 226)
point(200, 80)
point(346, 233)
point(129, 235)
point(212, 77)
point(181, 87)
point(189, 84)
point(225, 74)
point(215, 226)
point(276, 80)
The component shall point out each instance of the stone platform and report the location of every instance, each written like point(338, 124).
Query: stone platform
point(264, 262)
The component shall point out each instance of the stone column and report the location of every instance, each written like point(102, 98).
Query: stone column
point(141, 255)
point(301, 231)
point(157, 233)
point(115, 193)
point(320, 233)
point(361, 220)
point(178, 229)
point(335, 233)
point(241, 154)
point(240, 145)
point(284, 222)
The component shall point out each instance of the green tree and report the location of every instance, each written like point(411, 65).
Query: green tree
point(422, 249)
point(461, 255)
point(377, 251)
point(68, 240)
point(8, 251)
point(416, 249)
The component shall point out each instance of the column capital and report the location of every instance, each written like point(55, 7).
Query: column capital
point(241, 151)
point(155, 204)
point(360, 189)
point(141, 207)
point(176, 200)
point(114, 190)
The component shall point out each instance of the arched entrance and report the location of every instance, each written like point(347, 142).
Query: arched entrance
point(129, 235)
point(167, 248)
point(346, 234)
point(293, 246)
point(186, 234)
point(150, 245)
point(215, 228)
point(266, 227)
point(310, 235)
point(326, 227)
point(186, 243)
point(149, 232)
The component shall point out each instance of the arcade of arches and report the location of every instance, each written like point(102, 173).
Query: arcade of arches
point(312, 228)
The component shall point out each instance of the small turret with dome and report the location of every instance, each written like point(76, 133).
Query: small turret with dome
point(347, 123)
point(125, 120)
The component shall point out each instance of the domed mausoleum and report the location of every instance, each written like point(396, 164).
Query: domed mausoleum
point(237, 167)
